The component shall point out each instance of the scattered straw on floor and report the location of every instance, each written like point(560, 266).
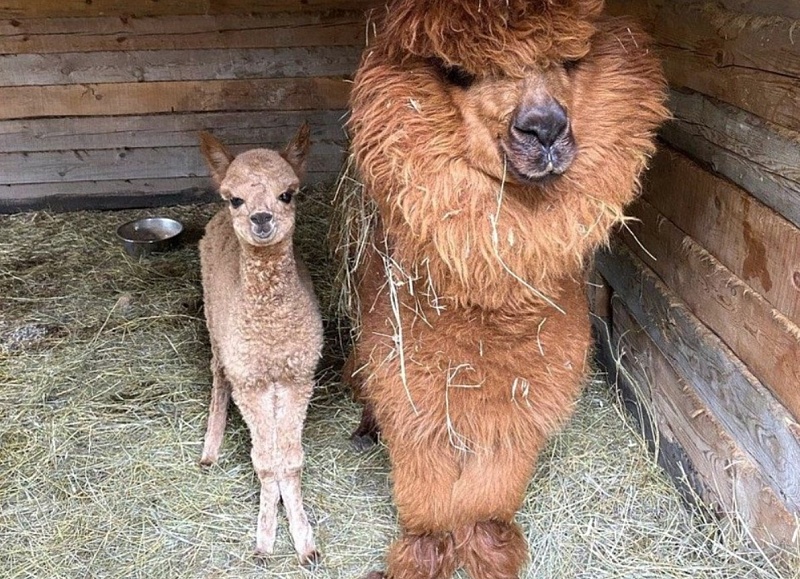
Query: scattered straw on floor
point(104, 386)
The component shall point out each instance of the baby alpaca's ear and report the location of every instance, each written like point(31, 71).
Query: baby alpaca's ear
point(297, 149)
point(216, 155)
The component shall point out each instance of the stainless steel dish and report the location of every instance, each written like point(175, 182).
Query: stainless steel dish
point(144, 236)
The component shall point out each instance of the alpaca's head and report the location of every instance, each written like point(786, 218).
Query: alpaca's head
point(259, 186)
point(501, 136)
point(521, 78)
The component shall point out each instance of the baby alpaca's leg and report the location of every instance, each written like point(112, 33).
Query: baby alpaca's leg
point(257, 407)
point(217, 414)
point(292, 404)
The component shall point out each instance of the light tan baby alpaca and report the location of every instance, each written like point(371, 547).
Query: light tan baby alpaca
point(264, 323)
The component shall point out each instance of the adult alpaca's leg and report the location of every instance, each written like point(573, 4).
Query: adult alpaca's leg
point(422, 557)
point(366, 434)
point(491, 549)
point(490, 491)
point(424, 475)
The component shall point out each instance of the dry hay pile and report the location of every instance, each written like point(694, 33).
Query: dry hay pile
point(104, 386)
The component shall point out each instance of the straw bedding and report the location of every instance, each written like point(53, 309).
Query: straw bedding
point(104, 386)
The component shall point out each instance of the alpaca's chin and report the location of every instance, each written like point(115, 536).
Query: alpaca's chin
point(260, 237)
point(532, 176)
point(530, 163)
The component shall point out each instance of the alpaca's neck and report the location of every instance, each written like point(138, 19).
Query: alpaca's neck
point(266, 271)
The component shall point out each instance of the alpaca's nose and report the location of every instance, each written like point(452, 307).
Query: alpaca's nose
point(261, 218)
point(545, 120)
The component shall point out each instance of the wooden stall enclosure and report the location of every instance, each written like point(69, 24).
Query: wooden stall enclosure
point(102, 100)
point(698, 301)
point(697, 305)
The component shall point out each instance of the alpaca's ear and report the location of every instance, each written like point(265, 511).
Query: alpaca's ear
point(297, 150)
point(217, 157)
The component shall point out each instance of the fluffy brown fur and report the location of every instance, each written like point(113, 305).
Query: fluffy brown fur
point(475, 330)
point(264, 324)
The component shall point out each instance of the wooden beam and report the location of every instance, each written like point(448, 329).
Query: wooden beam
point(176, 65)
point(243, 128)
point(116, 194)
point(718, 470)
point(716, 297)
point(126, 197)
point(230, 31)
point(599, 294)
point(172, 97)
point(744, 407)
point(747, 60)
point(748, 238)
point(730, 39)
point(82, 8)
point(786, 8)
point(762, 158)
point(143, 163)
point(771, 96)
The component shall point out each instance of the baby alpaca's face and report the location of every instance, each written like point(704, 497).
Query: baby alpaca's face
point(259, 186)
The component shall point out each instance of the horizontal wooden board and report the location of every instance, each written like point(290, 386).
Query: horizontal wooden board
point(206, 31)
point(730, 39)
point(105, 195)
point(751, 240)
point(77, 8)
point(762, 158)
point(171, 97)
point(744, 59)
point(786, 8)
point(716, 297)
point(723, 475)
point(166, 130)
point(771, 96)
point(142, 163)
point(117, 194)
point(744, 407)
point(175, 65)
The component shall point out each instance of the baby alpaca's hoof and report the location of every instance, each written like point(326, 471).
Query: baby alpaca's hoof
point(376, 575)
point(311, 560)
point(206, 461)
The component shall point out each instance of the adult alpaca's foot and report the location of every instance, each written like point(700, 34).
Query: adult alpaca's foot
point(491, 550)
point(368, 433)
point(421, 557)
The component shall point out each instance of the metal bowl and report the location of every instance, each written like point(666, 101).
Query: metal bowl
point(144, 236)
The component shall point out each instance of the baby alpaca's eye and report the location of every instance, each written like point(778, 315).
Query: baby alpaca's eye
point(236, 202)
point(286, 196)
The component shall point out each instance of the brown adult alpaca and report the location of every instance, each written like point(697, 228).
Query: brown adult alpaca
point(500, 141)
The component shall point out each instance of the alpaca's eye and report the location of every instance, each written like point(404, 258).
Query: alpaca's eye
point(459, 77)
point(286, 196)
point(571, 65)
point(454, 75)
point(236, 202)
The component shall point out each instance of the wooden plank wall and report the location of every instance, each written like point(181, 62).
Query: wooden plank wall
point(698, 301)
point(102, 100)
